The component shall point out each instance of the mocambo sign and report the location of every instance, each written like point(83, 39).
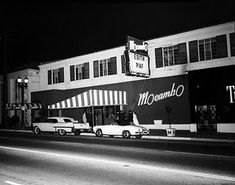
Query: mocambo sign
point(148, 99)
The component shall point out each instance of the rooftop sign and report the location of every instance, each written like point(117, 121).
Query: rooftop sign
point(137, 59)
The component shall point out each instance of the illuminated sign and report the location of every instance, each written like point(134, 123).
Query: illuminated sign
point(138, 64)
point(137, 59)
point(148, 99)
point(231, 90)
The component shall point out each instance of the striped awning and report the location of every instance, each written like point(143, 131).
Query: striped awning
point(19, 106)
point(92, 97)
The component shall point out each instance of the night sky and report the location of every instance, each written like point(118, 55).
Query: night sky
point(42, 32)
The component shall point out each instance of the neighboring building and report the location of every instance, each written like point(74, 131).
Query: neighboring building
point(191, 84)
point(14, 93)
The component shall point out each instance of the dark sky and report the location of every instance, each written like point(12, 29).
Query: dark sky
point(41, 32)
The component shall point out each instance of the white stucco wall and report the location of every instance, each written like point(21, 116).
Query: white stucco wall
point(155, 72)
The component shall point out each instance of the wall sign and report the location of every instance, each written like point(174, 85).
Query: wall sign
point(148, 99)
point(231, 90)
point(138, 63)
point(136, 56)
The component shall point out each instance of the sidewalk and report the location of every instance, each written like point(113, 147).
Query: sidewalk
point(196, 136)
point(161, 135)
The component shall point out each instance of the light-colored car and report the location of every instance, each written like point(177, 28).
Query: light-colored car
point(61, 125)
point(126, 131)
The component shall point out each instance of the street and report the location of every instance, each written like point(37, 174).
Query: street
point(51, 159)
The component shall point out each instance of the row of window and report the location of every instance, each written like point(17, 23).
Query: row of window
point(199, 50)
point(103, 67)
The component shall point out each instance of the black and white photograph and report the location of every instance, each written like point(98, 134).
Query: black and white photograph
point(117, 93)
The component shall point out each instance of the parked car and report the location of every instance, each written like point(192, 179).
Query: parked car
point(61, 125)
point(126, 131)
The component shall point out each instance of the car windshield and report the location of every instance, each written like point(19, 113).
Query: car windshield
point(67, 120)
point(123, 123)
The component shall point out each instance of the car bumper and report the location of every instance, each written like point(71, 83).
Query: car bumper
point(142, 133)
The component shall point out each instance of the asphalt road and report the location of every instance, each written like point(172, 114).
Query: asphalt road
point(52, 159)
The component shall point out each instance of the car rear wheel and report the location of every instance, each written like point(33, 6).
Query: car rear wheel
point(36, 130)
point(99, 133)
point(126, 134)
point(62, 132)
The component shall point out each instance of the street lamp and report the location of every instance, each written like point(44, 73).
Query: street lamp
point(22, 84)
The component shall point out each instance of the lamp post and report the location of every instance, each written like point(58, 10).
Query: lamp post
point(22, 84)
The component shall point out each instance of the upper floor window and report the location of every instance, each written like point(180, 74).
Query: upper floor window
point(55, 76)
point(105, 67)
point(79, 72)
point(171, 55)
point(232, 43)
point(207, 49)
point(123, 64)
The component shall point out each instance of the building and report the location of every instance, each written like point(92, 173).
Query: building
point(191, 84)
point(19, 97)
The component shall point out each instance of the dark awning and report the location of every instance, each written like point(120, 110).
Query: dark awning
point(19, 106)
point(92, 97)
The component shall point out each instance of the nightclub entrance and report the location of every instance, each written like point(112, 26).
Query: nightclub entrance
point(206, 117)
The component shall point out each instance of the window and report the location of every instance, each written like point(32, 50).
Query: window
point(72, 73)
point(67, 120)
point(105, 67)
point(55, 76)
point(52, 120)
point(123, 60)
point(49, 77)
point(79, 72)
point(193, 51)
point(158, 57)
point(232, 43)
point(173, 55)
point(208, 49)
point(221, 47)
point(182, 54)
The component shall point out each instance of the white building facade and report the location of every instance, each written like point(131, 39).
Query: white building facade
point(190, 72)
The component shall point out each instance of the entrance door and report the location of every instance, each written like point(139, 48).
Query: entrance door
point(98, 115)
point(206, 117)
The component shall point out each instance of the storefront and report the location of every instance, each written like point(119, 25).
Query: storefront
point(149, 98)
point(211, 97)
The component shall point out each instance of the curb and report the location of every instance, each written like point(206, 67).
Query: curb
point(150, 137)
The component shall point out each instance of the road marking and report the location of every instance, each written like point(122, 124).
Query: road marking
point(12, 183)
point(134, 165)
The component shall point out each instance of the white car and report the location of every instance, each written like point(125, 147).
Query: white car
point(62, 125)
point(126, 131)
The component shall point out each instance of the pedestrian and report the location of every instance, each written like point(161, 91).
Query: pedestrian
point(135, 119)
point(84, 119)
point(130, 117)
point(112, 118)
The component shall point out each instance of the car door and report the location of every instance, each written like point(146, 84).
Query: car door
point(112, 129)
point(48, 125)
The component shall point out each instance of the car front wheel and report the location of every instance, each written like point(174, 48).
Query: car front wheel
point(36, 130)
point(62, 132)
point(126, 134)
point(99, 133)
